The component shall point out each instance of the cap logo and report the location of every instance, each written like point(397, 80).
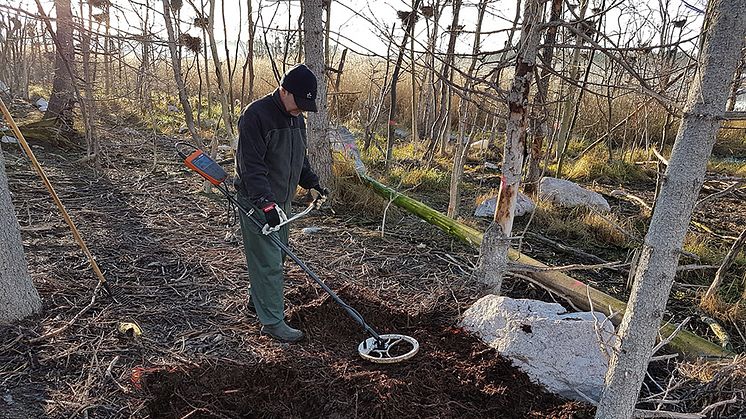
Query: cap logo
point(309, 95)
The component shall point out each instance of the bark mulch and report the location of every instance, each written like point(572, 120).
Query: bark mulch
point(180, 271)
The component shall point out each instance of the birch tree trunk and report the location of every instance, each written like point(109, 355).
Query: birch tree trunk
point(176, 65)
point(62, 98)
point(462, 146)
point(319, 148)
point(18, 297)
point(723, 36)
point(493, 257)
point(733, 96)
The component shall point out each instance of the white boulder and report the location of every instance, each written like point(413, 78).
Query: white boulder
point(570, 195)
point(524, 205)
point(565, 352)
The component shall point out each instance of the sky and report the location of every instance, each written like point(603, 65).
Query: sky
point(359, 24)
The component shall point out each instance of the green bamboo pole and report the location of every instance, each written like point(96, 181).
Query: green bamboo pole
point(582, 295)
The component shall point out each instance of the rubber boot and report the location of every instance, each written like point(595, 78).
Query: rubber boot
point(282, 332)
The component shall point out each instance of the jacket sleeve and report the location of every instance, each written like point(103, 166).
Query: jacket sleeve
point(308, 179)
point(252, 170)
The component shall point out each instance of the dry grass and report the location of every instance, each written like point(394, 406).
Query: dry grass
point(594, 166)
point(351, 194)
point(581, 225)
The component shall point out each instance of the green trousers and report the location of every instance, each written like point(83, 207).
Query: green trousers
point(264, 260)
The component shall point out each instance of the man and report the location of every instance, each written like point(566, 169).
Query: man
point(271, 162)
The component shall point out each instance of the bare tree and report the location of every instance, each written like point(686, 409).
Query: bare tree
point(319, 149)
point(408, 21)
point(176, 65)
point(62, 99)
point(540, 118)
point(493, 258)
point(18, 297)
point(222, 88)
point(462, 146)
point(442, 125)
point(723, 38)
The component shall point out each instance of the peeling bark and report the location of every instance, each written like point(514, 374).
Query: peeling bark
point(494, 252)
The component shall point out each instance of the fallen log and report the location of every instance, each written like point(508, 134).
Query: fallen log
point(580, 294)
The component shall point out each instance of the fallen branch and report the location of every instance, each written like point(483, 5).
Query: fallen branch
point(558, 282)
point(712, 196)
point(660, 156)
point(522, 267)
point(72, 321)
point(618, 193)
point(566, 248)
point(727, 261)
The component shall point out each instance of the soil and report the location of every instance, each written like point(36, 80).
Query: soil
point(178, 271)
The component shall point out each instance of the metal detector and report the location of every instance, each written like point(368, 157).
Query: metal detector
point(383, 349)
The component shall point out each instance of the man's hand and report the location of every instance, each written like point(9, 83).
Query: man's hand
point(272, 214)
point(323, 195)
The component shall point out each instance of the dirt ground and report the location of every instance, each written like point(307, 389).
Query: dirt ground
point(180, 274)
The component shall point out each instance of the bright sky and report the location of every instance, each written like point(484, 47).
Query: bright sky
point(358, 24)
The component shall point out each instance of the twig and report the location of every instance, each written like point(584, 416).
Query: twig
point(566, 248)
point(717, 194)
point(670, 337)
point(109, 375)
point(707, 409)
point(61, 329)
point(520, 267)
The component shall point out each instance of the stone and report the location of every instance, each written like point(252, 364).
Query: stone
point(400, 133)
point(567, 353)
point(310, 230)
point(7, 139)
point(491, 166)
point(480, 145)
point(570, 195)
point(42, 104)
point(524, 205)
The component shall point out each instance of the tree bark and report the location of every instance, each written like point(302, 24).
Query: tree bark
point(733, 96)
point(18, 297)
point(493, 257)
point(176, 65)
point(62, 99)
point(319, 148)
point(723, 37)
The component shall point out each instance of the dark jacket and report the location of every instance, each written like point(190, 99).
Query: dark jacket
point(271, 158)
